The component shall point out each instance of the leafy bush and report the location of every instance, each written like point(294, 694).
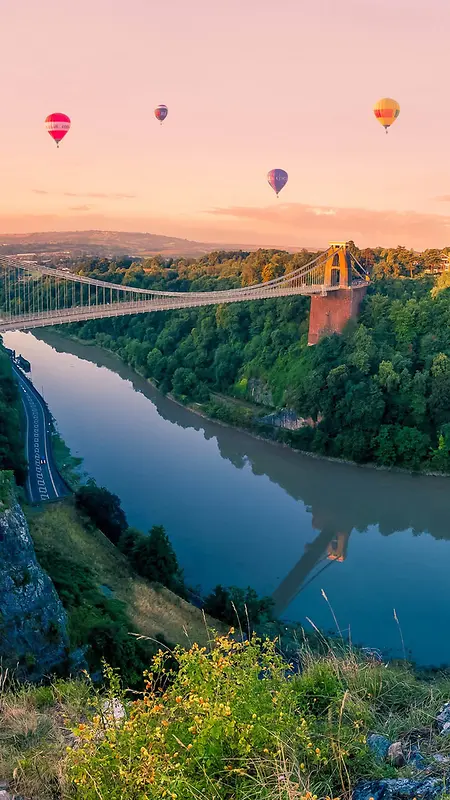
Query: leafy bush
point(226, 724)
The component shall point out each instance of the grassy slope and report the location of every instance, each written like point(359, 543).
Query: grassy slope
point(152, 609)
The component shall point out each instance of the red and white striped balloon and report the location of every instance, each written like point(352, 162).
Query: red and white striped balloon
point(57, 125)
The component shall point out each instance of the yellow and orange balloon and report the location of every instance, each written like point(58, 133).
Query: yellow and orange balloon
point(386, 111)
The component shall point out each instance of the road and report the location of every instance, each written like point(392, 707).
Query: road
point(44, 481)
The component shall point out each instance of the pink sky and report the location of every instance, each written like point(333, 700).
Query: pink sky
point(251, 85)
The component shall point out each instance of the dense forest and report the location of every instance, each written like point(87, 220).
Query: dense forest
point(12, 452)
point(378, 393)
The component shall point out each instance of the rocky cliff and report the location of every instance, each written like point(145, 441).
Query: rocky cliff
point(33, 626)
point(259, 392)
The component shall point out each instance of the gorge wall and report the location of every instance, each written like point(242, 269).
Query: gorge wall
point(33, 625)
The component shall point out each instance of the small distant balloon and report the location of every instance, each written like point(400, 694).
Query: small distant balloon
point(161, 113)
point(57, 125)
point(386, 111)
point(278, 179)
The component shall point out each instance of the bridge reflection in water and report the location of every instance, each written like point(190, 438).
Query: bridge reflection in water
point(325, 550)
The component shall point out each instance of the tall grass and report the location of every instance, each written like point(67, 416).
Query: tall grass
point(35, 732)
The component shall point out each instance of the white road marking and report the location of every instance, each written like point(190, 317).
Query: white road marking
point(46, 453)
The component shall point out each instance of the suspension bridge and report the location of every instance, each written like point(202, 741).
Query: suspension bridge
point(33, 295)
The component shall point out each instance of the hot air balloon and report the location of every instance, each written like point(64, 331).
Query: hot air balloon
point(386, 111)
point(277, 178)
point(161, 112)
point(57, 126)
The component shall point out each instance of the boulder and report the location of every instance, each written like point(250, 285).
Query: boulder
point(443, 719)
point(113, 711)
point(399, 789)
point(396, 755)
point(378, 745)
point(441, 759)
point(5, 794)
point(414, 758)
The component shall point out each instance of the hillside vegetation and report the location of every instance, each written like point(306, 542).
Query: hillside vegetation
point(12, 455)
point(105, 598)
point(379, 393)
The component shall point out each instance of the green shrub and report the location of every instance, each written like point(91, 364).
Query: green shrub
point(226, 724)
point(153, 557)
point(319, 688)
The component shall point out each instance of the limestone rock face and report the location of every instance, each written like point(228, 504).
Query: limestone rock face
point(260, 392)
point(33, 624)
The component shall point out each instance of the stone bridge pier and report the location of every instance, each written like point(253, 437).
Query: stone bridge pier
point(330, 311)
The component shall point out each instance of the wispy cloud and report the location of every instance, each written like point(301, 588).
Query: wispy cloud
point(80, 208)
point(323, 212)
point(92, 195)
point(443, 198)
point(101, 195)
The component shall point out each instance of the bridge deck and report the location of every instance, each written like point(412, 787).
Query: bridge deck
point(161, 303)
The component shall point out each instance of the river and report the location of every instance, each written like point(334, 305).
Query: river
point(240, 511)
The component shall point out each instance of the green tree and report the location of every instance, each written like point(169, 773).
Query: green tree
point(186, 384)
point(385, 452)
point(238, 606)
point(440, 459)
point(440, 388)
point(412, 446)
point(129, 540)
point(154, 558)
point(104, 510)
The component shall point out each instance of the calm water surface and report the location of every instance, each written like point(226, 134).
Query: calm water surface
point(244, 512)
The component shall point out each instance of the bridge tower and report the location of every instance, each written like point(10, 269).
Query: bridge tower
point(330, 311)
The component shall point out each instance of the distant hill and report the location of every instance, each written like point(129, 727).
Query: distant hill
point(102, 243)
point(110, 244)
